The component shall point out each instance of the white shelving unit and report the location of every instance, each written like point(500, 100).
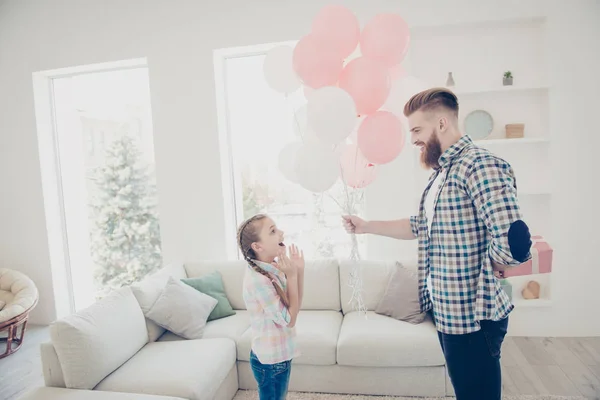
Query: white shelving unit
point(498, 89)
point(545, 299)
point(517, 46)
point(511, 142)
point(518, 303)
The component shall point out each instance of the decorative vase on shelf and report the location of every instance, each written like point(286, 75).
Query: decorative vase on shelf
point(508, 79)
point(450, 80)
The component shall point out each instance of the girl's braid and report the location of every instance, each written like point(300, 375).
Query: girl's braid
point(246, 236)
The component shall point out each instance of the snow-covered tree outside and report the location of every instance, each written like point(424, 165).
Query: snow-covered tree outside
point(125, 234)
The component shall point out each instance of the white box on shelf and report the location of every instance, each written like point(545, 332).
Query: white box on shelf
point(518, 283)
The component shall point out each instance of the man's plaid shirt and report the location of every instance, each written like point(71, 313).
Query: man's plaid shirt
point(474, 208)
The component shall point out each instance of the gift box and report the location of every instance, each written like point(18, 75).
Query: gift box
point(540, 263)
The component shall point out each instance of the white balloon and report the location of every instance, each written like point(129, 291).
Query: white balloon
point(287, 161)
point(331, 114)
point(354, 135)
point(402, 90)
point(338, 151)
point(279, 71)
point(317, 167)
point(311, 139)
point(301, 128)
point(307, 91)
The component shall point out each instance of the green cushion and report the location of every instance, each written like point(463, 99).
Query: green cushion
point(212, 285)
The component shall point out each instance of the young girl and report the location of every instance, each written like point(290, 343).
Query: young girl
point(273, 287)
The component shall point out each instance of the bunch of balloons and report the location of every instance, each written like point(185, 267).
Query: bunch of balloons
point(356, 89)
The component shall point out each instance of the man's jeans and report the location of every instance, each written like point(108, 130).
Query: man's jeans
point(272, 379)
point(473, 361)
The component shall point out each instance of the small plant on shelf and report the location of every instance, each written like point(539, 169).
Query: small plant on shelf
point(508, 78)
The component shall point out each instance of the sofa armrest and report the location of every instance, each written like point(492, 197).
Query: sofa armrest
point(53, 375)
point(47, 393)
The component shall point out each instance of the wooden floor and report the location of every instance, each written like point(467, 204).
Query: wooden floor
point(22, 370)
point(559, 366)
point(553, 366)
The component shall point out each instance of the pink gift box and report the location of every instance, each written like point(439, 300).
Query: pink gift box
point(540, 263)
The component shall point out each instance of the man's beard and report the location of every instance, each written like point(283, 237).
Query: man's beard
point(432, 152)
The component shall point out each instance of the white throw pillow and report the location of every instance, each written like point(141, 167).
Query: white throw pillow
point(148, 290)
point(182, 309)
point(95, 341)
point(2, 304)
point(401, 298)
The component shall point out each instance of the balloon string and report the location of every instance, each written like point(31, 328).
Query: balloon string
point(355, 162)
point(302, 134)
point(355, 279)
point(336, 202)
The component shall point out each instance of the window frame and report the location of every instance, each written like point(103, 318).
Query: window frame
point(231, 187)
point(52, 177)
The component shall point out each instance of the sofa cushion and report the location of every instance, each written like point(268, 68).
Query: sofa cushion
point(191, 369)
point(378, 341)
point(147, 291)
point(401, 298)
point(232, 327)
point(375, 277)
point(169, 337)
point(212, 285)
point(232, 273)
point(52, 393)
point(94, 342)
point(182, 309)
point(316, 334)
point(322, 289)
point(321, 286)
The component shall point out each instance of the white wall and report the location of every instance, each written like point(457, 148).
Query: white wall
point(178, 39)
point(573, 34)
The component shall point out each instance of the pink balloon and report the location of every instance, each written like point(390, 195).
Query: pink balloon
point(397, 72)
point(337, 28)
point(357, 171)
point(368, 82)
point(381, 137)
point(386, 38)
point(315, 64)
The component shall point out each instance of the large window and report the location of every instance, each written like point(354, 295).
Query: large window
point(104, 158)
point(257, 123)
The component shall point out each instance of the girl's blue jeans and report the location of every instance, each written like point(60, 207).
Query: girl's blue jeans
point(272, 379)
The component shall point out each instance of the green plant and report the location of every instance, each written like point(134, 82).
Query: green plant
point(508, 75)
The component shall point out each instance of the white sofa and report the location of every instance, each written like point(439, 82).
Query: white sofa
point(343, 351)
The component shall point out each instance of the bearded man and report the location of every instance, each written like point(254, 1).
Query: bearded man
point(469, 228)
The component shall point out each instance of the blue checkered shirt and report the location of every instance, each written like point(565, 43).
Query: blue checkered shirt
point(473, 209)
